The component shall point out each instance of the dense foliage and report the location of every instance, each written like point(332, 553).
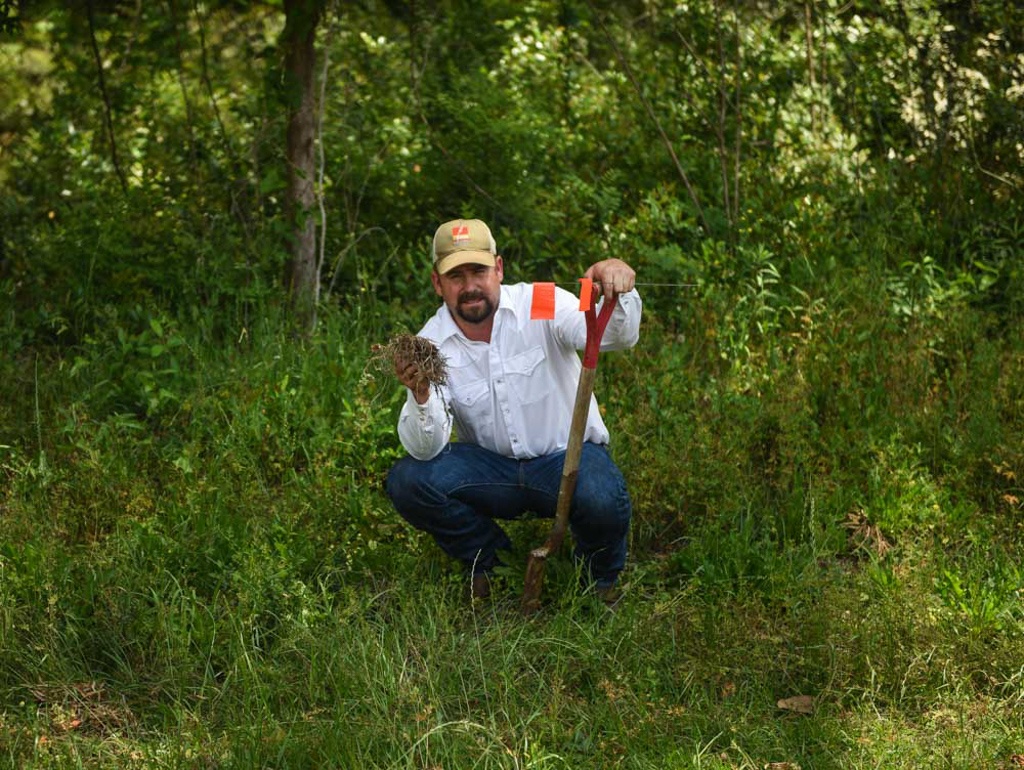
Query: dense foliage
point(822, 427)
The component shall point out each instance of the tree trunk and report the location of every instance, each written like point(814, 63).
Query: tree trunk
point(302, 278)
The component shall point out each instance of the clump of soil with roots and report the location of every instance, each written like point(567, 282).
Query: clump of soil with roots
point(411, 349)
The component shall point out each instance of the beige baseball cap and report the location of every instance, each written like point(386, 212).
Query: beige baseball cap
point(462, 242)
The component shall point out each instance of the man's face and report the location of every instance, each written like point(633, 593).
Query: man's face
point(471, 291)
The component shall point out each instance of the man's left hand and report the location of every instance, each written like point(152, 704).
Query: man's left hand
point(614, 275)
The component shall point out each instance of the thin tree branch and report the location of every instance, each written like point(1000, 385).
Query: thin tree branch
point(693, 54)
point(654, 118)
point(189, 110)
point(738, 153)
point(130, 43)
point(415, 78)
point(809, 42)
point(344, 253)
point(228, 147)
point(107, 110)
point(321, 155)
point(723, 98)
point(999, 177)
point(455, 161)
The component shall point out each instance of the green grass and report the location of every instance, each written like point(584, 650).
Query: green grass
point(198, 566)
point(403, 674)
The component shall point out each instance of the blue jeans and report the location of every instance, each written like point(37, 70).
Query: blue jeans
point(458, 495)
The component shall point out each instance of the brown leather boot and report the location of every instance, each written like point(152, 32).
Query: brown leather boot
point(610, 595)
point(481, 587)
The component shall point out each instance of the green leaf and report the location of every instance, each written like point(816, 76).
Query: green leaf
point(271, 181)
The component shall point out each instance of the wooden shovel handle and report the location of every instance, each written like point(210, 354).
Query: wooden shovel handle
point(578, 427)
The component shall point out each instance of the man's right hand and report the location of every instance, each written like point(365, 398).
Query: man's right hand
point(409, 374)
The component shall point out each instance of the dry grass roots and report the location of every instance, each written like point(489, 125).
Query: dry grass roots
point(409, 348)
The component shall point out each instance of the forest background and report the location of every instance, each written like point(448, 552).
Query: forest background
point(212, 210)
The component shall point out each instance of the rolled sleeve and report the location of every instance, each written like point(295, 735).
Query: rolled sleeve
point(623, 330)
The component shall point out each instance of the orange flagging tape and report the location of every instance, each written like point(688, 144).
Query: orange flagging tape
point(586, 288)
point(543, 307)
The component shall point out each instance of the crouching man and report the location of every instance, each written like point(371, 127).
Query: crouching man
point(510, 392)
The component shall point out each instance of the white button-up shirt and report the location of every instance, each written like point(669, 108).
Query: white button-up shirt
point(515, 394)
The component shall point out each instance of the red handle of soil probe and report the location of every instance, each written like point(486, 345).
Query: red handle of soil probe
point(596, 324)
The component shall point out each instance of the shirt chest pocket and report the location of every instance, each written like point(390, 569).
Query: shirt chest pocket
point(528, 376)
point(470, 395)
point(467, 382)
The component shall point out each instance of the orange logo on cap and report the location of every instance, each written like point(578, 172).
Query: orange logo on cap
point(460, 234)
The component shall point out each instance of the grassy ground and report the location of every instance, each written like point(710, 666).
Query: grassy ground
point(198, 567)
point(405, 675)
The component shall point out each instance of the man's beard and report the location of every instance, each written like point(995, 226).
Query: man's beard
point(477, 314)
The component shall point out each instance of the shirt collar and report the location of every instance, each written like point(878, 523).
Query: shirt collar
point(507, 303)
point(451, 329)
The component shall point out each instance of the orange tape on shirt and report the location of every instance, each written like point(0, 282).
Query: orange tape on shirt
point(543, 306)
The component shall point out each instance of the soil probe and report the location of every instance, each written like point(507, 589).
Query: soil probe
point(570, 469)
